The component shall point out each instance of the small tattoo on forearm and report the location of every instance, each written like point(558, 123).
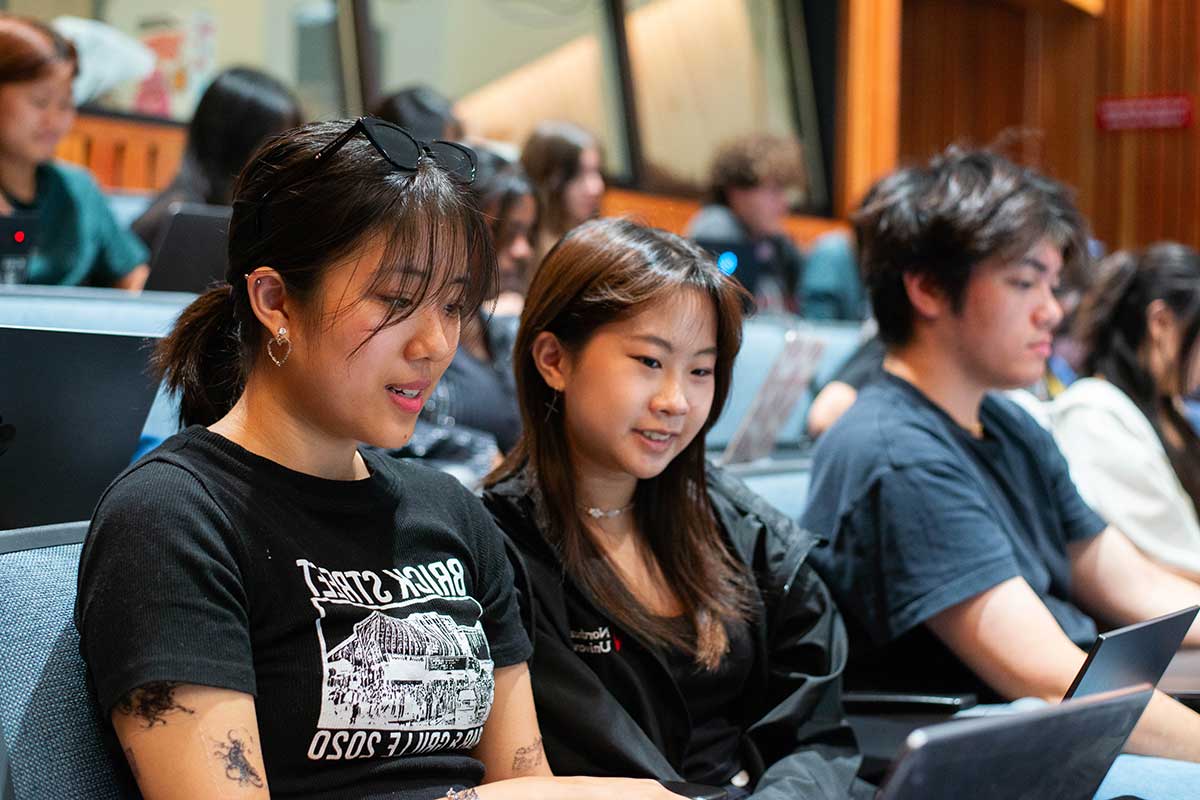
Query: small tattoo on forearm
point(528, 757)
point(151, 703)
point(234, 757)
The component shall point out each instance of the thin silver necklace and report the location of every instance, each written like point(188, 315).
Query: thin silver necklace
point(601, 513)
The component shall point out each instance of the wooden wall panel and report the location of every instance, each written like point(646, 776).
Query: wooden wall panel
point(868, 98)
point(971, 68)
point(125, 154)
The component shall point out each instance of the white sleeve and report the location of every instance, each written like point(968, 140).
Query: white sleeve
point(1129, 481)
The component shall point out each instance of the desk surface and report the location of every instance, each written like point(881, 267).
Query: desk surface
point(1183, 676)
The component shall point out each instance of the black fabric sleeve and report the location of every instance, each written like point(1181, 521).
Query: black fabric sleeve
point(494, 589)
point(804, 740)
point(920, 541)
point(160, 595)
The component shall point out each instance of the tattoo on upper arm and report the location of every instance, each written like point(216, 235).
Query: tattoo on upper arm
point(151, 703)
point(234, 755)
point(528, 757)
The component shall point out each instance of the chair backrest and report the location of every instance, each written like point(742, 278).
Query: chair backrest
point(92, 309)
point(53, 737)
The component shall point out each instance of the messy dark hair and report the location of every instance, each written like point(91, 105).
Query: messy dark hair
point(945, 218)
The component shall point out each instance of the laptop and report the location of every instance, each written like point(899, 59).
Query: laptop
point(1061, 751)
point(771, 408)
point(192, 251)
point(72, 406)
point(1131, 655)
point(19, 233)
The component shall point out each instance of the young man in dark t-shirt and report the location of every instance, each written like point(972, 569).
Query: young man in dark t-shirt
point(960, 552)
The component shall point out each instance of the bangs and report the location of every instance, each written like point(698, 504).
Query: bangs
point(437, 247)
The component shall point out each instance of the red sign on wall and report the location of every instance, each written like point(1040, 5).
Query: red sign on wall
point(1144, 113)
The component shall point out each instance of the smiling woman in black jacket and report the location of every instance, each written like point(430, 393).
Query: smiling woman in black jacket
point(679, 630)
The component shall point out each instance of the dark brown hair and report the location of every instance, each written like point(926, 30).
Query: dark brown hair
point(29, 48)
point(240, 109)
point(947, 217)
point(1112, 326)
point(551, 160)
point(748, 161)
point(500, 185)
point(601, 272)
point(300, 218)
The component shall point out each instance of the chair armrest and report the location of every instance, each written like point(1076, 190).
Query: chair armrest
point(885, 703)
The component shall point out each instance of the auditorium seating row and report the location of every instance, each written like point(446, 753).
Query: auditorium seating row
point(151, 314)
point(45, 695)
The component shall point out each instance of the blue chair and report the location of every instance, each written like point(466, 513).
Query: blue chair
point(53, 737)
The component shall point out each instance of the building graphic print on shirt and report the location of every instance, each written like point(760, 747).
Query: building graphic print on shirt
point(406, 665)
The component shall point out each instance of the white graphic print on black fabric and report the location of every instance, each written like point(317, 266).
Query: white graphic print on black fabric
point(406, 665)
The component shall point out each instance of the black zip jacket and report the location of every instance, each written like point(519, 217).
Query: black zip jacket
point(600, 692)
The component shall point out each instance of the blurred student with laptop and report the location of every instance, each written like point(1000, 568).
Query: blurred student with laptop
point(79, 241)
point(753, 178)
point(959, 549)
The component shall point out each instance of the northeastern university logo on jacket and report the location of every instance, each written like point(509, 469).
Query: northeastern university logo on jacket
point(406, 663)
point(594, 641)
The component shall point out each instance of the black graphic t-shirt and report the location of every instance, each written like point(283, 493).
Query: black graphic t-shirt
point(365, 617)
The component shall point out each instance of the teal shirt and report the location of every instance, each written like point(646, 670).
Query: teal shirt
point(79, 240)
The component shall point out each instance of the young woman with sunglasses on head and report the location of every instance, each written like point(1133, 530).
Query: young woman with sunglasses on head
point(78, 240)
point(263, 604)
point(679, 631)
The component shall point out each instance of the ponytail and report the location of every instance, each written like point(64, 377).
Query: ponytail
point(201, 358)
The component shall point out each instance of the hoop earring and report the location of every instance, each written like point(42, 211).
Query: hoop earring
point(552, 406)
point(281, 339)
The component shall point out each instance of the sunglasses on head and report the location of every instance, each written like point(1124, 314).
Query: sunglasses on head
point(400, 148)
point(403, 150)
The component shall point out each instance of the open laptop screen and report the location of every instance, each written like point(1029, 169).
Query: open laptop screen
point(1061, 751)
point(72, 405)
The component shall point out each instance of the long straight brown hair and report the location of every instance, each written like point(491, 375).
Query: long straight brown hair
point(602, 272)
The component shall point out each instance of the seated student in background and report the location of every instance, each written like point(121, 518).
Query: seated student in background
point(960, 551)
point(239, 110)
point(679, 630)
point(284, 577)
point(477, 390)
point(1123, 428)
point(564, 163)
point(79, 241)
point(423, 111)
point(836, 397)
point(751, 179)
